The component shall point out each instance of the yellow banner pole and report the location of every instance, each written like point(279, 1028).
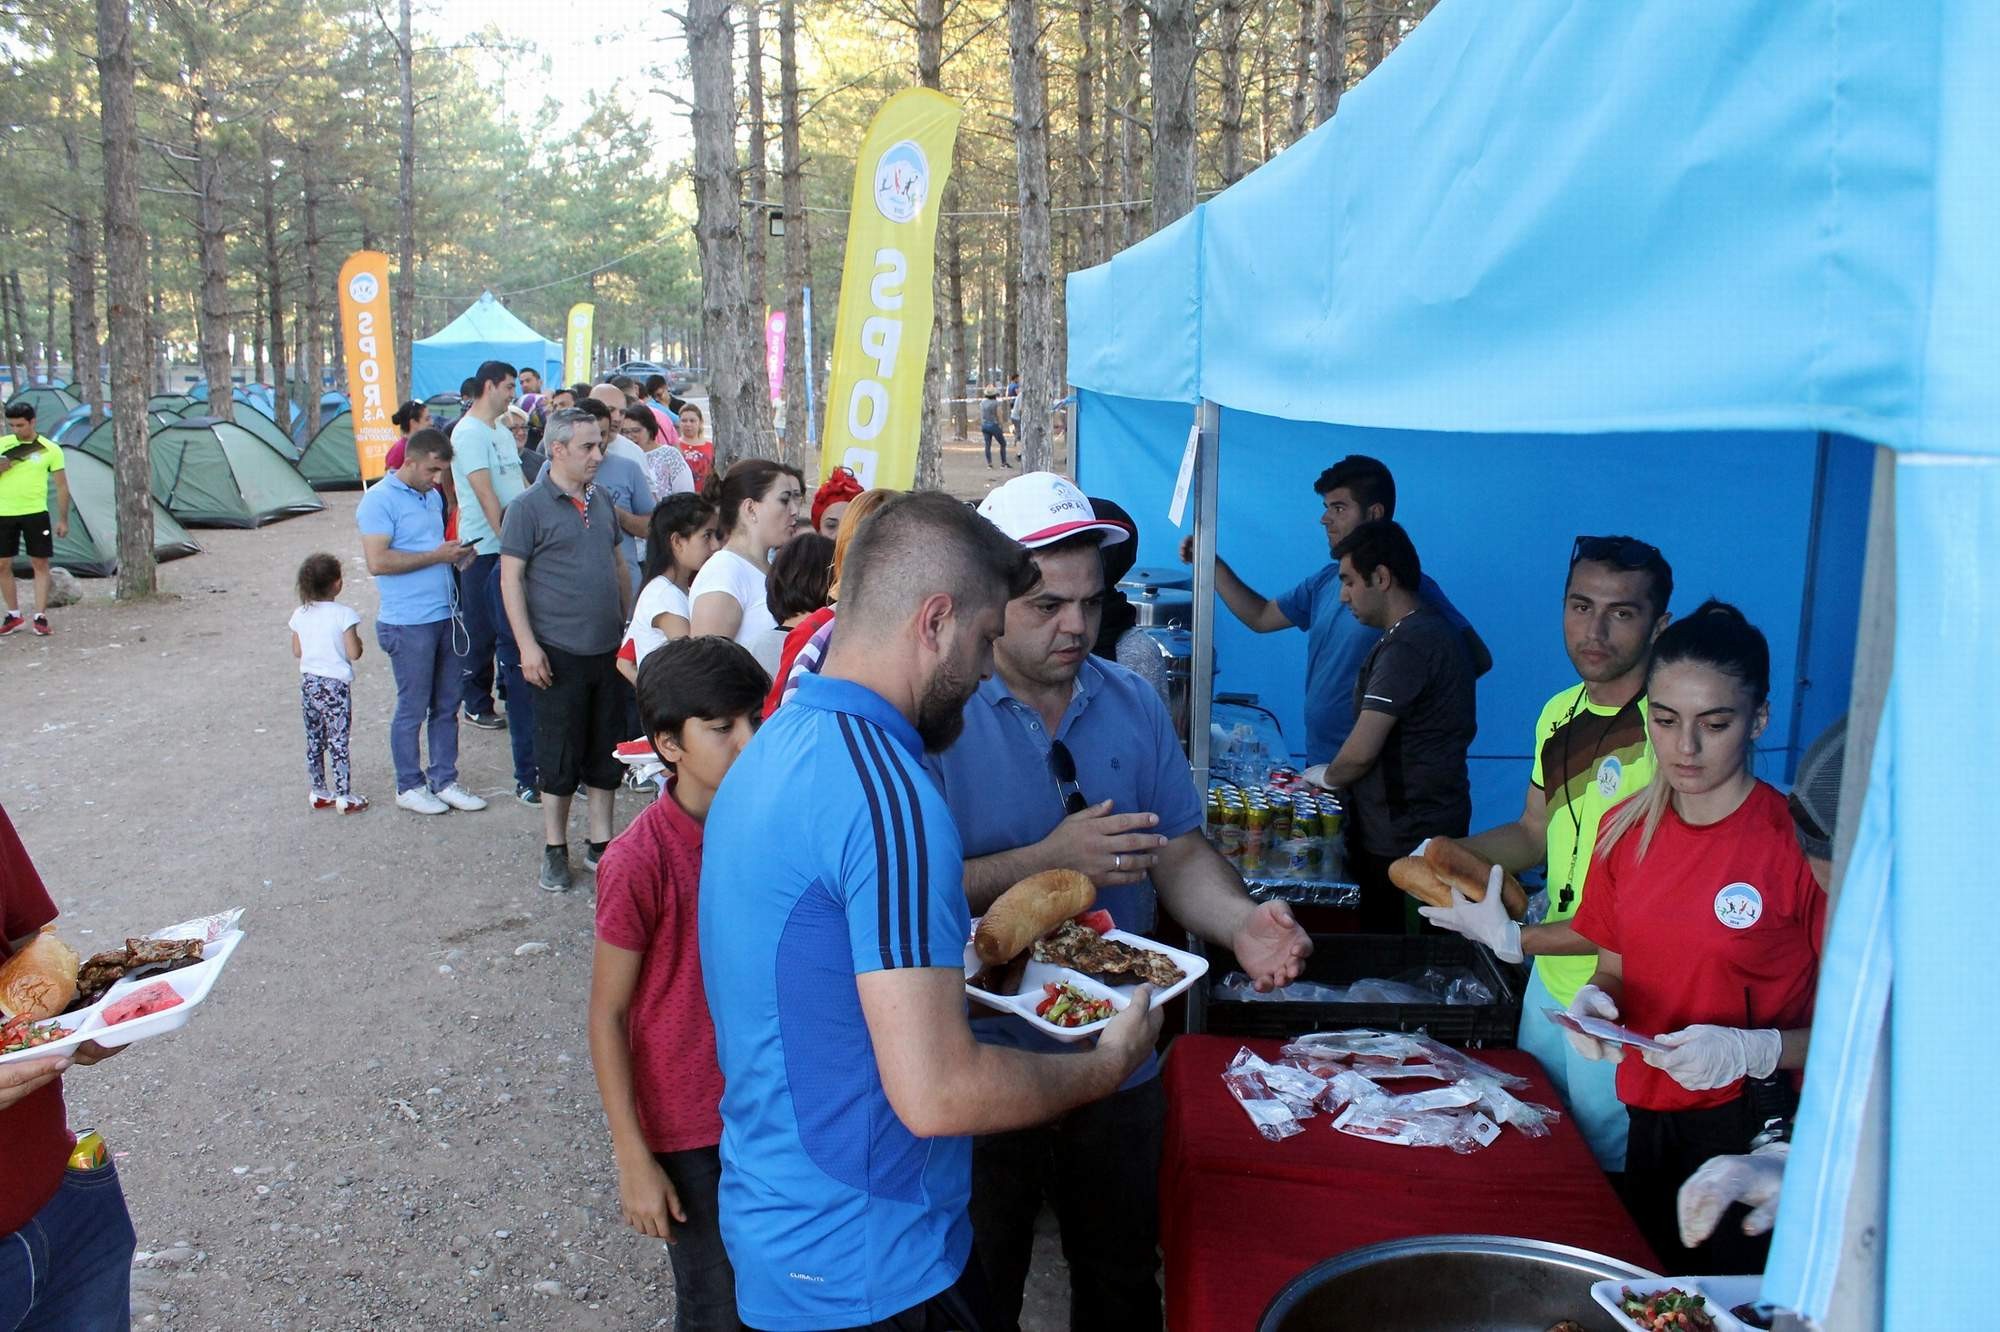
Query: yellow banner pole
point(576, 347)
point(371, 357)
point(874, 401)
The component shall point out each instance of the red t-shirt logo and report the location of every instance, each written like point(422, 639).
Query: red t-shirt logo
point(1739, 906)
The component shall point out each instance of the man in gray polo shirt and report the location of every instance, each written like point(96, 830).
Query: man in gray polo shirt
point(567, 594)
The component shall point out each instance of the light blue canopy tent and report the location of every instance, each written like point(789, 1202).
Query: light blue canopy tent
point(486, 331)
point(1679, 270)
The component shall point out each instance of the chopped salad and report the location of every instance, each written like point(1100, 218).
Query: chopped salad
point(1063, 1005)
point(1670, 1310)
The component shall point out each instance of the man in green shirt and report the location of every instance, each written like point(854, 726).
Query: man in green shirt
point(1591, 753)
point(29, 464)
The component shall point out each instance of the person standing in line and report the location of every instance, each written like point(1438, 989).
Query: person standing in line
point(806, 645)
point(696, 446)
point(1353, 491)
point(516, 422)
point(831, 951)
point(1591, 752)
point(403, 542)
point(30, 466)
point(486, 471)
point(327, 641)
point(651, 1039)
point(830, 501)
point(666, 471)
point(622, 475)
point(66, 1238)
point(530, 379)
point(682, 535)
point(564, 583)
point(1415, 713)
point(759, 503)
point(990, 430)
point(408, 419)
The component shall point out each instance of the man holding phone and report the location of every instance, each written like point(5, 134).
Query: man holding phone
point(402, 539)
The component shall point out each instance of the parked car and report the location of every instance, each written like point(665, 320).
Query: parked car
point(640, 369)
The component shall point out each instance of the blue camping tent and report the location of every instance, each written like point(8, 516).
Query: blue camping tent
point(1719, 275)
point(486, 331)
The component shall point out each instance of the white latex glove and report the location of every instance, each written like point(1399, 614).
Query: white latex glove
point(1752, 1180)
point(1418, 854)
point(1484, 921)
point(1593, 1002)
point(1703, 1058)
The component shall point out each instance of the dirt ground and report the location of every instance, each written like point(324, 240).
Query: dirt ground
point(385, 1114)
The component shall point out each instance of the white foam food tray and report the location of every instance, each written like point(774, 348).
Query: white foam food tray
point(191, 983)
point(1038, 974)
point(1722, 1294)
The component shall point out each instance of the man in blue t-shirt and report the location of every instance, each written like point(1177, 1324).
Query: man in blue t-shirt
point(833, 936)
point(1069, 761)
point(1355, 490)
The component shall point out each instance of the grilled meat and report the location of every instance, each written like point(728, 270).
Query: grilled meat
point(1083, 949)
point(107, 968)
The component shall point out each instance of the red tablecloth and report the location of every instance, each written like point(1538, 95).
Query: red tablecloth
point(1240, 1216)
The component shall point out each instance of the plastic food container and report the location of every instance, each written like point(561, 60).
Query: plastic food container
point(191, 983)
point(1038, 974)
point(1712, 1289)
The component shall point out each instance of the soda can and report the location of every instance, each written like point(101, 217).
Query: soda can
point(90, 1152)
point(1256, 837)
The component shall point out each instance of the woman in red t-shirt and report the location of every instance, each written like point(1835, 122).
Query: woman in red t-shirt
point(1708, 923)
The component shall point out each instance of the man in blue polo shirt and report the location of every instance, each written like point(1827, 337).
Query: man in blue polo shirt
point(1355, 490)
point(833, 934)
point(1069, 761)
point(402, 538)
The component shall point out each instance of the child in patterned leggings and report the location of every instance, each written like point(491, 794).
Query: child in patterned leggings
point(327, 643)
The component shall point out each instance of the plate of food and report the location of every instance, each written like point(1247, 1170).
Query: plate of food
point(1041, 954)
point(51, 1001)
point(1674, 1304)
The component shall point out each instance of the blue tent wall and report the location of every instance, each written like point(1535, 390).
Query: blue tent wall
point(1493, 517)
point(485, 331)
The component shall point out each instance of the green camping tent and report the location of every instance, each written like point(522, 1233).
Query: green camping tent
point(329, 462)
point(51, 405)
point(445, 409)
point(264, 428)
point(97, 440)
point(174, 403)
point(91, 548)
point(214, 473)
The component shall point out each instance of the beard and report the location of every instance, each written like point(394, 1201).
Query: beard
point(941, 709)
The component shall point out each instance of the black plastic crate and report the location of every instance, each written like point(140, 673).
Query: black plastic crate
point(1342, 959)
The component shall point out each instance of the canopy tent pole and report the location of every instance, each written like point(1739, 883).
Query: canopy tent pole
point(1201, 674)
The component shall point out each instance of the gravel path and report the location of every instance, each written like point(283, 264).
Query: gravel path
point(385, 1115)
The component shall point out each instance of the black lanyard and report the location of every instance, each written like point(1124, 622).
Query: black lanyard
point(1567, 896)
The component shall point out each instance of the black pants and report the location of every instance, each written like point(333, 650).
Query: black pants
point(965, 1306)
point(704, 1282)
point(1663, 1149)
point(1099, 1168)
point(990, 435)
point(579, 720)
point(1382, 909)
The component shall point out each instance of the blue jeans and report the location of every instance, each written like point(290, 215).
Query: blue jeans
point(990, 435)
point(428, 671)
point(1589, 1087)
point(482, 589)
point(481, 629)
point(70, 1268)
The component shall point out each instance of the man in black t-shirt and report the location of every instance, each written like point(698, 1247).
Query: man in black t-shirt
point(1403, 765)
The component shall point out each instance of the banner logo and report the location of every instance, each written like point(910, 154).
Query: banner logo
point(362, 288)
point(902, 182)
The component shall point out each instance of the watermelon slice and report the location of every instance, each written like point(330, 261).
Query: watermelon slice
point(142, 1002)
point(1098, 920)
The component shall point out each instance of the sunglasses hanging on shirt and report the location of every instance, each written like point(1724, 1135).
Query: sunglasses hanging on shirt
point(1062, 764)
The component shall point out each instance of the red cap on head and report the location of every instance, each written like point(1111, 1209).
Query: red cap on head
point(837, 489)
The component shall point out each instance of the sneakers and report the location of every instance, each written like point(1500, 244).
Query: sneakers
point(555, 869)
point(459, 798)
point(352, 804)
point(11, 622)
point(41, 624)
point(485, 721)
point(527, 795)
point(321, 800)
point(420, 800)
point(592, 853)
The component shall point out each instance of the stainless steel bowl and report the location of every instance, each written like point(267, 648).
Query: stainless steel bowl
point(1449, 1283)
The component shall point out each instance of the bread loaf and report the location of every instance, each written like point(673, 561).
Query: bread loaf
point(1445, 865)
point(40, 980)
point(1028, 910)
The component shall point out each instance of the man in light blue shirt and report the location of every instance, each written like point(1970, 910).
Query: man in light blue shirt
point(833, 934)
point(486, 471)
point(1068, 761)
point(1353, 491)
point(402, 539)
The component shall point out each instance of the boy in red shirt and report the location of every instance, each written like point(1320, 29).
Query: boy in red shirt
point(651, 1039)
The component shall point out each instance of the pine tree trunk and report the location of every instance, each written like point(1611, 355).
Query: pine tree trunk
point(1174, 33)
point(1231, 51)
point(83, 330)
point(755, 241)
point(125, 298)
point(212, 248)
point(7, 346)
point(1265, 102)
point(1008, 362)
point(799, 427)
point(1109, 237)
point(1031, 159)
point(274, 289)
point(1329, 59)
point(1381, 19)
point(930, 448)
point(49, 314)
point(156, 320)
point(740, 415)
point(963, 376)
point(405, 310)
point(313, 345)
point(1302, 48)
point(1089, 224)
point(1129, 151)
point(31, 361)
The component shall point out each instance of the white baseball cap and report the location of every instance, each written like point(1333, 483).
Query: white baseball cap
point(1041, 508)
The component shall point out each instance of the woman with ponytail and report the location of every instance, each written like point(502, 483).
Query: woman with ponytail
point(757, 503)
point(1708, 924)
